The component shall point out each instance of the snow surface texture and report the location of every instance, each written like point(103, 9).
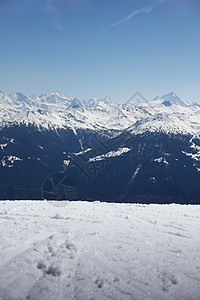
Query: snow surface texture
point(167, 114)
point(98, 251)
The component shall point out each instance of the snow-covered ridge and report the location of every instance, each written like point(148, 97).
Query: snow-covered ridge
point(52, 111)
point(116, 153)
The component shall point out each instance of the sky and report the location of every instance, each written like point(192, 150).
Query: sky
point(98, 48)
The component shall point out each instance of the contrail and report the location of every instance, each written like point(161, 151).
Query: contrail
point(146, 9)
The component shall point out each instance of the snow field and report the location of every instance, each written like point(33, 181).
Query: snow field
point(96, 251)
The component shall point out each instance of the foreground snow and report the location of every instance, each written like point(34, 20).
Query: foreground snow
point(94, 251)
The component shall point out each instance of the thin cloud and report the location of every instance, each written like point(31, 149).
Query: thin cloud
point(50, 6)
point(56, 17)
point(146, 10)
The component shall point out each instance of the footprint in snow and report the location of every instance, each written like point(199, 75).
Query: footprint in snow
point(41, 266)
point(167, 280)
point(99, 282)
point(53, 270)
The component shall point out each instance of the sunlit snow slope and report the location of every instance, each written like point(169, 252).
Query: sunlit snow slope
point(88, 251)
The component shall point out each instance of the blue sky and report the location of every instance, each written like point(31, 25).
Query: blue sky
point(87, 48)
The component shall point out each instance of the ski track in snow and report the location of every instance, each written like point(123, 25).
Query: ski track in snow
point(96, 251)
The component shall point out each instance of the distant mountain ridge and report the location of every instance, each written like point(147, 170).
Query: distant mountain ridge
point(55, 110)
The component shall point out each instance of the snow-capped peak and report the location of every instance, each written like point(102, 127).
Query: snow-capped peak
point(107, 100)
point(172, 98)
point(59, 94)
point(167, 113)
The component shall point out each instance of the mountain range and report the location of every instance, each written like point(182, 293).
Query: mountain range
point(56, 147)
point(168, 113)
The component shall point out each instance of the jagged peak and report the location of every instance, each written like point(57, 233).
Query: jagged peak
point(60, 94)
point(107, 100)
point(171, 94)
point(174, 99)
point(18, 94)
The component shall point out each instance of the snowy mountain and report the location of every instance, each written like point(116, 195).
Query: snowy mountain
point(172, 98)
point(58, 147)
point(167, 114)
